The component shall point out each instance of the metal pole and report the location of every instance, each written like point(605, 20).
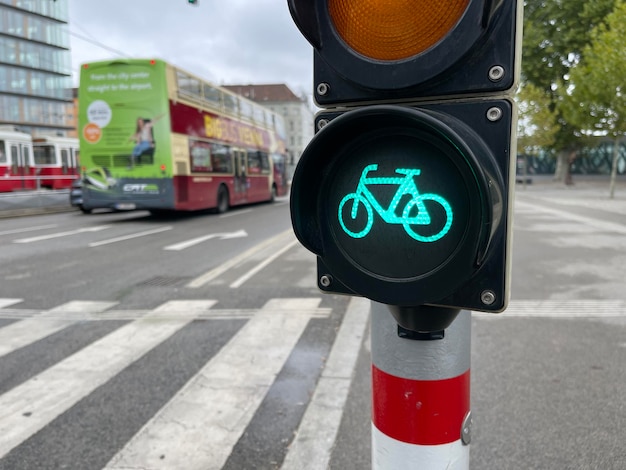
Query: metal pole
point(420, 396)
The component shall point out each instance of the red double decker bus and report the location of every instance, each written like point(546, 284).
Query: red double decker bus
point(155, 137)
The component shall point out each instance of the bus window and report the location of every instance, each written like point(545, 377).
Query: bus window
point(212, 96)
point(258, 163)
point(189, 85)
point(254, 162)
point(230, 103)
point(259, 115)
point(265, 163)
point(200, 153)
point(221, 159)
point(245, 109)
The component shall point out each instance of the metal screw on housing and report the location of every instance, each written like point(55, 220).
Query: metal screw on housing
point(325, 281)
point(496, 73)
point(494, 114)
point(466, 429)
point(323, 88)
point(321, 124)
point(488, 297)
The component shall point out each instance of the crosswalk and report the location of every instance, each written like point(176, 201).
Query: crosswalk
point(180, 386)
point(196, 425)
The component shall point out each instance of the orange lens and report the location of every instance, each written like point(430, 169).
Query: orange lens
point(394, 29)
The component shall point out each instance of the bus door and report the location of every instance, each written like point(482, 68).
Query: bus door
point(20, 164)
point(241, 177)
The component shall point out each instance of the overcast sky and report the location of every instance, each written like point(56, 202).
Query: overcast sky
point(223, 41)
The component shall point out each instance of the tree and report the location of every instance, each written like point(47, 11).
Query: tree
point(596, 98)
point(555, 35)
point(537, 121)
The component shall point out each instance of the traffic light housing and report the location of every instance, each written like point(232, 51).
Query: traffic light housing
point(399, 50)
point(404, 194)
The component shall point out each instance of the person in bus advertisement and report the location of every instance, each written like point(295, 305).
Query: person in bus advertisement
point(143, 138)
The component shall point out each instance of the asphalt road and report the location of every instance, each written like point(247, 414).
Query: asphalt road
point(128, 341)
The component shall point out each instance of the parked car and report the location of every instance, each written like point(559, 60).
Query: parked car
point(76, 195)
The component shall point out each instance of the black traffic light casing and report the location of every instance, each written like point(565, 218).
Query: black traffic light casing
point(405, 192)
point(465, 267)
point(477, 57)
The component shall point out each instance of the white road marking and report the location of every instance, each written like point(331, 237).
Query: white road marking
point(28, 229)
point(20, 334)
point(575, 308)
point(261, 265)
point(62, 234)
point(200, 426)
point(131, 236)
point(232, 262)
point(313, 444)
point(4, 302)
point(195, 241)
point(234, 213)
point(27, 408)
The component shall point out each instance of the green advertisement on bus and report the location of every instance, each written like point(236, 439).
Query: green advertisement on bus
point(124, 130)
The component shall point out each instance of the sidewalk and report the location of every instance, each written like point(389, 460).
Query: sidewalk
point(590, 191)
point(19, 204)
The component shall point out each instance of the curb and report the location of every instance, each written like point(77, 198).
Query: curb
point(5, 214)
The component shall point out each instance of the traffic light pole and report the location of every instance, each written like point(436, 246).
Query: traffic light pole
point(420, 395)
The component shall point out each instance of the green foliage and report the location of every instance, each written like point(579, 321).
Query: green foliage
point(596, 98)
point(537, 121)
point(556, 33)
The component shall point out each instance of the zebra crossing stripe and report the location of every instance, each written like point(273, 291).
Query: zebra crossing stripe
point(316, 435)
point(576, 308)
point(8, 302)
point(26, 409)
point(200, 426)
point(28, 331)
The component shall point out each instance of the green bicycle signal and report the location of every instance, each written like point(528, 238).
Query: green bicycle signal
point(413, 214)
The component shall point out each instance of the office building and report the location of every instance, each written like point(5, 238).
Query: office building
point(35, 65)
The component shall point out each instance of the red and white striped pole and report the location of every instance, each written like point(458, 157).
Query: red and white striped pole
point(420, 396)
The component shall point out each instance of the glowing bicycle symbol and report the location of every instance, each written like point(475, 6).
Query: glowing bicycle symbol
point(413, 214)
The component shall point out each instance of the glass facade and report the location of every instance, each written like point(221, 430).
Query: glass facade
point(35, 65)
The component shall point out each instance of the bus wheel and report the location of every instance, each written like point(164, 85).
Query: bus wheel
point(222, 200)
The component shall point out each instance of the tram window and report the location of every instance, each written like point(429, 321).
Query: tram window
point(14, 158)
point(44, 155)
point(65, 160)
point(3, 156)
